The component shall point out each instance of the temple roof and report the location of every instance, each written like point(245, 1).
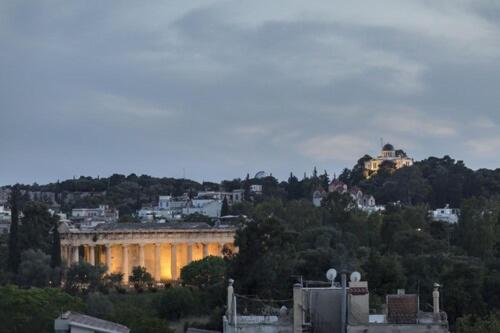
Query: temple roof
point(159, 226)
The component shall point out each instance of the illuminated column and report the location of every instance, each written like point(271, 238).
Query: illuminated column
point(76, 255)
point(141, 255)
point(108, 257)
point(125, 263)
point(173, 261)
point(205, 250)
point(157, 262)
point(92, 254)
point(221, 249)
point(189, 253)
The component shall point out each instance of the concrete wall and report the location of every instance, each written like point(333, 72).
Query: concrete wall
point(387, 328)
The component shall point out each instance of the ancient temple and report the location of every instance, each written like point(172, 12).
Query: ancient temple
point(162, 248)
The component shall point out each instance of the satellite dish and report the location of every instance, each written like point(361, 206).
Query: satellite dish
point(331, 274)
point(355, 277)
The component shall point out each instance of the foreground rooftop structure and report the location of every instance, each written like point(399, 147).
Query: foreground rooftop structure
point(162, 248)
point(73, 322)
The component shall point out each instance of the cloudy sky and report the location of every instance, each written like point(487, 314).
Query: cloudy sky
point(222, 88)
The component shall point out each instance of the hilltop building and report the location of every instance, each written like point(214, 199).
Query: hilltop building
point(398, 158)
point(162, 248)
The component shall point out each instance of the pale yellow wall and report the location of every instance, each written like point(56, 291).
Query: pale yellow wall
point(149, 258)
point(116, 259)
point(165, 262)
point(197, 251)
point(213, 250)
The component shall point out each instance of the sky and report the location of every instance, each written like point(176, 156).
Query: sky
point(214, 90)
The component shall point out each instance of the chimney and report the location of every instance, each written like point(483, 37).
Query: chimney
point(435, 298)
point(230, 295)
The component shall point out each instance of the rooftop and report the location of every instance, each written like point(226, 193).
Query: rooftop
point(159, 226)
point(78, 319)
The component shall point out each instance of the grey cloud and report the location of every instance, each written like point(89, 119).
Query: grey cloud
point(224, 88)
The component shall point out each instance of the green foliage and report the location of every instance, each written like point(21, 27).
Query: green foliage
point(34, 232)
point(141, 278)
point(83, 278)
point(33, 310)
point(209, 277)
point(14, 249)
point(99, 305)
point(478, 226)
point(177, 302)
point(204, 273)
point(35, 269)
point(472, 324)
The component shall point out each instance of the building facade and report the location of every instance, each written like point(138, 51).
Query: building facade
point(163, 249)
point(388, 155)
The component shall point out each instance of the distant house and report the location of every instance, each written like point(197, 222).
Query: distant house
point(5, 219)
point(318, 196)
point(93, 216)
point(72, 322)
point(388, 155)
point(337, 186)
point(4, 195)
point(446, 214)
point(364, 202)
point(256, 189)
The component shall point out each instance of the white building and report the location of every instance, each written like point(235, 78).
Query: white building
point(256, 189)
point(232, 197)
point(207, 207)
point(446, 214)
point(94, 216)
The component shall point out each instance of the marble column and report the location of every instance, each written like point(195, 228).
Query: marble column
point(189, 253)
point(108, 257)
point(205, 250)
point(157, 262)
point(125, 263)
point(173, 261)
point(92, 254)
point(141, 255)
point(76, 255)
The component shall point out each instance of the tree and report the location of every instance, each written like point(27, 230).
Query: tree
point(473, 324)
point(34, 309)
point(36, 226)
point(99, 305)
point(205, 272)
point(14, 250)
point(477, 227)
point(113, 281)
point(55, 258)
point(83, 278)
point(176, 302)
point(141, 278)
point(35, 270)
point(225, 208)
